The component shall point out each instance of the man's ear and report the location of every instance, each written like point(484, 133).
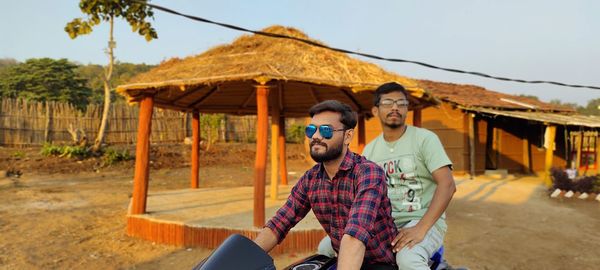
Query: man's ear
point(348, 136)
point(375, 111)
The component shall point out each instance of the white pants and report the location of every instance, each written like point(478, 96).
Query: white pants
point(415, 258)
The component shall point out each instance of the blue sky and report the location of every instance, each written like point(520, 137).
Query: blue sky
point(528, 39)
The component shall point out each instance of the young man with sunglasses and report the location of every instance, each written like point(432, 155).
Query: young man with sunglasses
point(419, 178)
point(346, 192)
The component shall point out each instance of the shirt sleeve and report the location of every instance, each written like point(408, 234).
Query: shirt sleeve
point(434, 153)
point(294, 210)
point(369, 193)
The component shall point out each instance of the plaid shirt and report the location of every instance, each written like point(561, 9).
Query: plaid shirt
point(354, 202)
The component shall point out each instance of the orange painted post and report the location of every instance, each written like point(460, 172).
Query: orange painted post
point(274, 143)
point(361, 133)
point(195, 150)
point(549, 144)
point(282, 152)
point(262, 123)
point(142, 157)
point(417, 117)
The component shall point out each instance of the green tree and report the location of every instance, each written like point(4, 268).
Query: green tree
point(566, 104)
point(529, 96)
point(97, 11)
point(122, 73)
point(45, 79)
point(592, 107)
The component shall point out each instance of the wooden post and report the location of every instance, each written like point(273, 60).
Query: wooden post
point(579, 141)
point(361, 133)
point(274, 142)
point(282, 152)
point(48, 127)
point(472, 133)
point(142, 157)
point(526, 155)
point(597, 142)
point(195, 179)
point(417, 117)
point(549, 143)
point(262, 123)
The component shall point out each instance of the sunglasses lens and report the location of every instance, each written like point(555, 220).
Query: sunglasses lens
point(326, 131)
point(310, 131)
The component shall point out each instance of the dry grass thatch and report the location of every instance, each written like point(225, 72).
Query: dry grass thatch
point(254, 58)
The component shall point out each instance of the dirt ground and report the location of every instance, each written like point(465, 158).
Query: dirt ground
point(69, 214)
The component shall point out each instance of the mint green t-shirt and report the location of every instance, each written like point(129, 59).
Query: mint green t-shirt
point(408, 163)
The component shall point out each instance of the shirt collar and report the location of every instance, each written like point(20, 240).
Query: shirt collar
point(347, 163)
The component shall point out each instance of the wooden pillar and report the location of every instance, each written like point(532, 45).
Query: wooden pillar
point(579, 144)
point(195, 150)
point(597, 142)
point(275, 114)
point(282, 152)
point(549, 143)
point(307, 143)
point(417, 117)
point(526, 154)
point(262, 127)
point(142, 157)
point(361, 133)
point(472, 124)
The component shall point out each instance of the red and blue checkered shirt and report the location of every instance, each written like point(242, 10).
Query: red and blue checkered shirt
point(354, 202)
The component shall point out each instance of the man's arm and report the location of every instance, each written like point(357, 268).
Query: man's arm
point(295, 209)
point(266, 239)
point(441, 198)
point(370, 191)
point(352, 252)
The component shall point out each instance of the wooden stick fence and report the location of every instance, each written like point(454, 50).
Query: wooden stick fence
point(25, 123)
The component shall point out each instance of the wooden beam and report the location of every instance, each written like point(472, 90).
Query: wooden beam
point(597, 142)
point(313, 94)
point(274, 142)
point(195, 150)
point(142, 157)
point(185, 94)
point(280, 97)
point(549, 143)
point(472, 133)
point(262, 123)
point(578, 145)
point(351, 97)
point(526, 154)
point(202, 98)
point(417, 118)
point(282, 152)
point(361, 133)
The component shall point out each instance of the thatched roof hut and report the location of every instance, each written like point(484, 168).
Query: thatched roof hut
point(222, 79)
point(256, 75)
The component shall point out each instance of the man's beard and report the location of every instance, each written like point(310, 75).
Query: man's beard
point(329, 154)
point(394, 124)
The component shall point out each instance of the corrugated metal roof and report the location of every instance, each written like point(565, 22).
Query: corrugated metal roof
point(545, 117)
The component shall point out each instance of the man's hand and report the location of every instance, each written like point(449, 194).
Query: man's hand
point(408, 237)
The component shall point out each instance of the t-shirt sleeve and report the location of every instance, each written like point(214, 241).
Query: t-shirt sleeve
point(433, 152)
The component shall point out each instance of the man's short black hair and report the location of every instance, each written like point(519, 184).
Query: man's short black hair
point(348, 116)
point(388, 88)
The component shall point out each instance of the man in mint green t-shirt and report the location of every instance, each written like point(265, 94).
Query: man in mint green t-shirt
point(420, 182)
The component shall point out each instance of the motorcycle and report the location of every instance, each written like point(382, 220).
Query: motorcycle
point(238, 252)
